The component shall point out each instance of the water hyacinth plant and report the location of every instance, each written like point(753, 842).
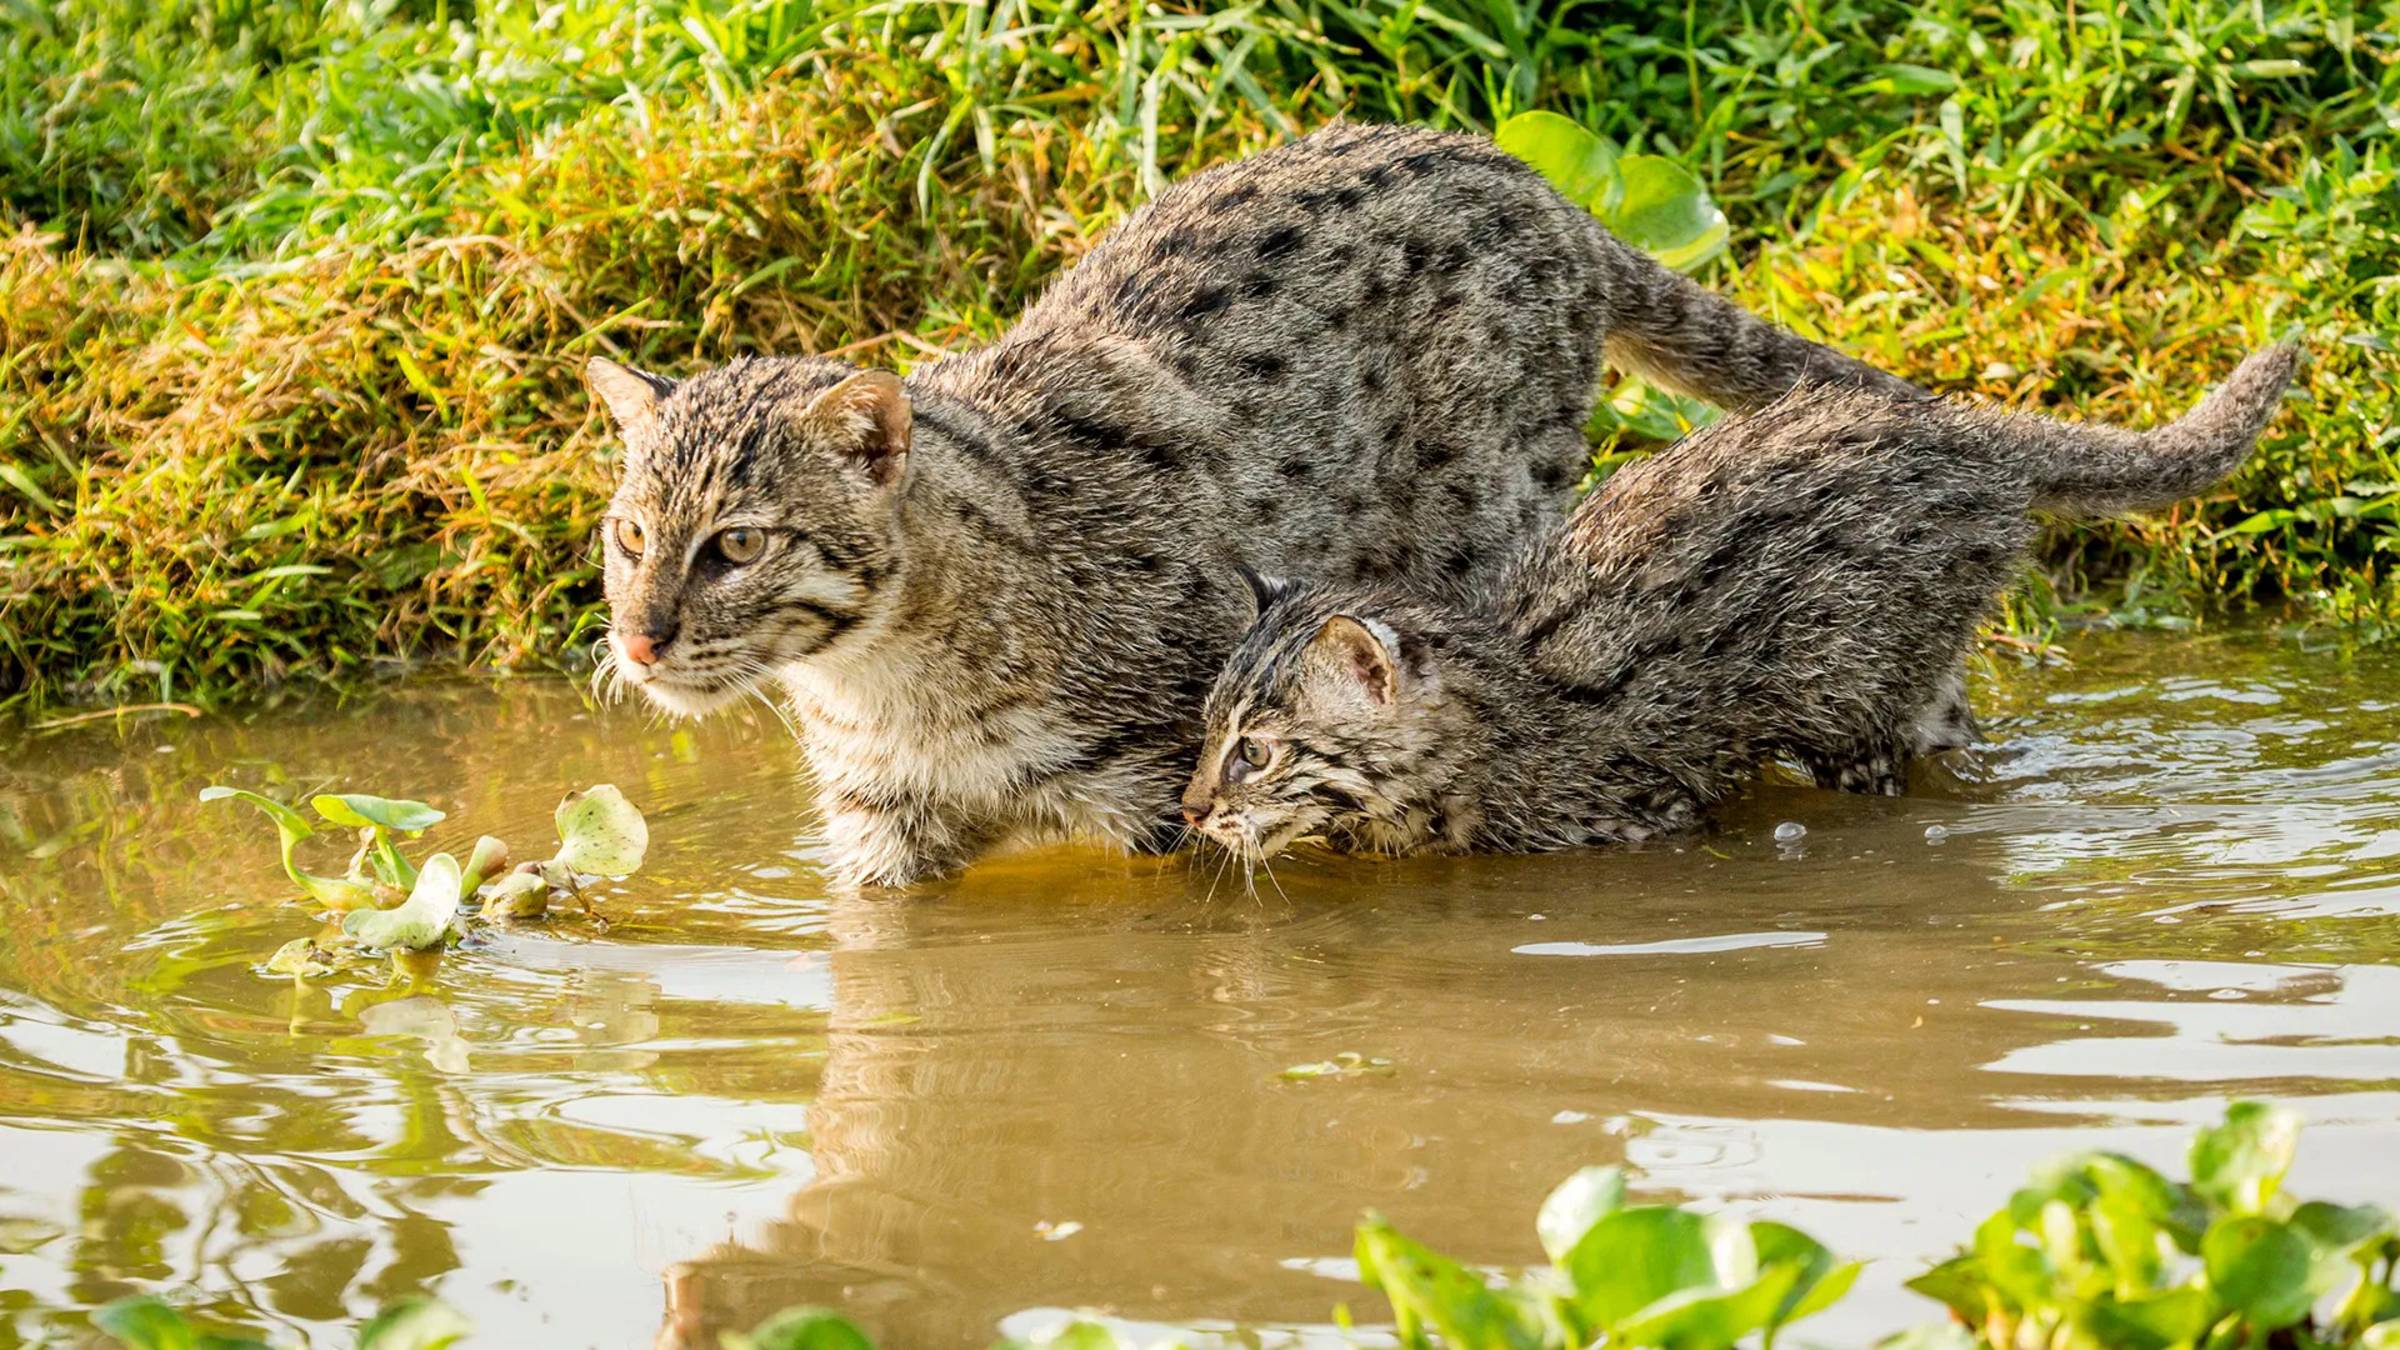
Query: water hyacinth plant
point(388, 903)
point(2098, 1253)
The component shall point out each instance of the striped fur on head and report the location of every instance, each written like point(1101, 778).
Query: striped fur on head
point(806, 451)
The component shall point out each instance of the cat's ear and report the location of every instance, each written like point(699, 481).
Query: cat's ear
point(1263, 590)
point(631, 396)
point(1351, 651)
point(865, 418)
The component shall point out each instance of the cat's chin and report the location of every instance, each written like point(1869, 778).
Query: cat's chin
point(688, 700)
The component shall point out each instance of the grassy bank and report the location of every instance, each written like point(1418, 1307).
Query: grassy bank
point(292, 300)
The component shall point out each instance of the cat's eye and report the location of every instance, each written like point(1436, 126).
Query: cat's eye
point(1250, 754)
point(629, 536)
point(741, 544)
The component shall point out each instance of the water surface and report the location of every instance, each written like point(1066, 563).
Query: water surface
point(2173, 877)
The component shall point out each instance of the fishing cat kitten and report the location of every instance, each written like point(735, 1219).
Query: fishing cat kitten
point(1803, 580)
point(995, 593)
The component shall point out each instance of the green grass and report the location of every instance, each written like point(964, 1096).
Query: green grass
point(292, 299)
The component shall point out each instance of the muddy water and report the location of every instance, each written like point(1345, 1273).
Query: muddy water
point(2175, 877)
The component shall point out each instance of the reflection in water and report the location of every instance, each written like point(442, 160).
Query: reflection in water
point(1056, 1083)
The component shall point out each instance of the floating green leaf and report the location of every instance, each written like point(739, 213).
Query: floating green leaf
point(290, 828)
point(1822, 1281)
point(601, 833)
point(489, 859)
point(2259, 1268)
point(1575, 1205)
point(2239, 1163)
point(1432, 1293)
point(1347, 1064)
point(422, 920)
point(802, 1329)
point(413, 1324)
point(358, 809)
point(300, 958)
point(1634, 1257)
point(146, 1323)
point(519, 895)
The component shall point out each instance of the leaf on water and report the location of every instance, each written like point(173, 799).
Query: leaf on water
point(414, 1324)
point(146, 1323)
point(302, 959)
point(800, 1329)
point(1665, 211)
point(1347, 1064)
point(2260, 1269)
point(289, 823)
point(1823, 1280)
point(1579, 164)
point(600, 832)
point(359, 809)
point(420, 921)
point(1635, 1257)
point(2239, 1163)
point(489, 859)
point(290, 828)
point(519, 895)
point(1579, 1202)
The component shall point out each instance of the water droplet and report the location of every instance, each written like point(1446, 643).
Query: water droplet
point(1790, 832)
point(1935, 834)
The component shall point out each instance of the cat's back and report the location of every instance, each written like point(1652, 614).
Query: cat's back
point(1365, 355)
point(1824, 557)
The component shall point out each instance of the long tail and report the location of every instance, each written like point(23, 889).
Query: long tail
point(1677, 334)
point(2088, 469)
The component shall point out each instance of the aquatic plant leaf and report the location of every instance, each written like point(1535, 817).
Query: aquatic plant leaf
point(1432, 1293)
point(358, 809)
point(1635, 1257)
point(2260, 1269)
point(300, 958)
point(2381, 1336)
point(802, 1329)
point(519, 895)
point(601, 832)
point(1708, 1319)
point(2176, 1317)
point(1823, 1280)
point(420, 921)
point(1347, 1064)
point(146, 1323)
point(2239, 1163)
point(1579, 164)
point(414, 1324)
point(290, 828)
point(1578, 1202)
point(1076, 1335)
point(1663, 209)
point(489, 859)
point(1959, 1285)
point(2341, 1229)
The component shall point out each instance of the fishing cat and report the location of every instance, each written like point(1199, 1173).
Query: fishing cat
point(1804, 581)
point(994, 593)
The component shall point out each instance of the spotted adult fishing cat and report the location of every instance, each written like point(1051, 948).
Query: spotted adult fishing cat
point(995, 592)
point(1802, 581)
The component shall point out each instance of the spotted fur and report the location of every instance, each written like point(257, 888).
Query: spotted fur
point(995, 594)
point(1803, 581)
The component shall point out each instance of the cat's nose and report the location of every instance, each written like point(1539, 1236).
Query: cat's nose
point(1193, 815)
point(645, 647)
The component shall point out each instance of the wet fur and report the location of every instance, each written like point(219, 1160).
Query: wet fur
point(1366, 356)
point(1804, 581)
